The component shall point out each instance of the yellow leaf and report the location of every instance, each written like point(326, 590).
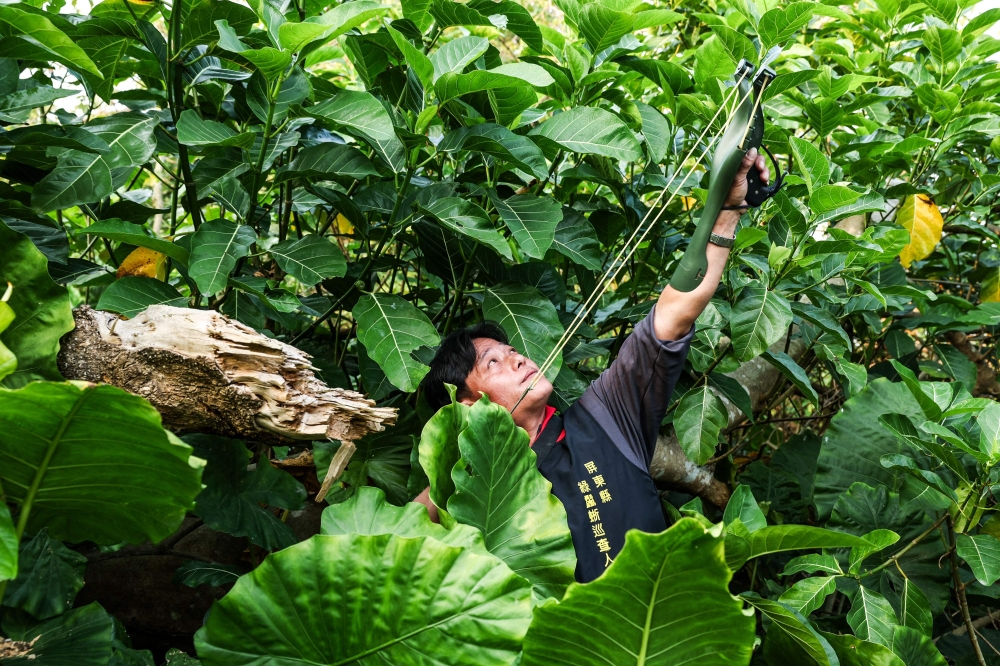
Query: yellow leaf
point(989, 291)
point(344, 225)
point(921, 217)
point(143, 262)
point(689, 202)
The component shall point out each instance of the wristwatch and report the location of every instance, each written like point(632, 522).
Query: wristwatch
point(722, 241)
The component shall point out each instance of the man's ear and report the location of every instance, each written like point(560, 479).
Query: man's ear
point(470, 402)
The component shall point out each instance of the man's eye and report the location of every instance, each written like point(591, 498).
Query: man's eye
point(490, 363)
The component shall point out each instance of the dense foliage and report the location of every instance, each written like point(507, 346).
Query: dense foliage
point(361, 179)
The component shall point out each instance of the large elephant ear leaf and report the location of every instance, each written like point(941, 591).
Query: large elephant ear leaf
point(367, 512)
point(529, 319)
point(438, 451)
point(62, 452)
point(41, 308)
point(49, 577)
point(390, 329)
point(677, 608)
point(499, 490)
point(82, 637)
point(423, 602)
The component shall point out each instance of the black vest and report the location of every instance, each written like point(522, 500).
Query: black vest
point(604, 493)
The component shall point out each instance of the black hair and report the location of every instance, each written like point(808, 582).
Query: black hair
point(454, 360)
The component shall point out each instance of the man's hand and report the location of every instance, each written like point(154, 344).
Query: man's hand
point(738, 192)
point(675, 310)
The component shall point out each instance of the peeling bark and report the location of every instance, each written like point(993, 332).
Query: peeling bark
point(670, 467)
point(207, 373)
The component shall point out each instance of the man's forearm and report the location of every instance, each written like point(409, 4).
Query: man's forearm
point(676, 311)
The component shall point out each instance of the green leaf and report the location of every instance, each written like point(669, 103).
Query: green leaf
point(451, 86)
point(294, 37)
point(793, 372)
point(982, 553)
point(362, 114)
point(866, 203)
point(808, 594)
point(454, 56)
point(49, 578)
point(735, 392)
point(742, 505)
point(531, 219)
point(655, 130)
point(878, 540)
point(192, 130)
point(468, 219)
point(79, 637)
point(418, 11)
point(499, 490)
point(215, 247)
point(603, 26)
point(576, 240)
point(16, 107)
point(915, 609)
point(419, 63)
point(438, 451)
point(134, 234)
point(195, 574)
point(989, 430)
point(85, 177)
point(41, 309)
point(519, 20)
point(42, 34)
point(791, 632)
point(944, 44)
point(759, 319)
point(958, 366)
point(700, 417)
point(811, 162)
point(857, 652)
point(777, 25)
point(367, 512)
point(780, 538)
point(499, 142)
point(812, 564)
point(390, 328)
point(232, 498)
point(130, 295)
point(924, 398)
point(822, 319)
point(423, 602)
point(198, 24)
point(915, 649)
point(71, 443)
point(587, 129)
point(447, 13)
point(831, 197)
point(663, 618)
point(310, 259)
point(8, 545)
point(325, 160)
point(736, 43)
point(871, 617)
point(529, 319)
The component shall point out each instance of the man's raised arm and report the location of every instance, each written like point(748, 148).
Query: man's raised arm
point(676, 311)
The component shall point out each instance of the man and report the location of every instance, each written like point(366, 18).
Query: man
point(597, 455)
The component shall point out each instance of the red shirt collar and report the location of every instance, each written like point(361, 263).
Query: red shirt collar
point(549, 413)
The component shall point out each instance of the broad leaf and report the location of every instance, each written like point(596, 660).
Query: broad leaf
point(215, 247)
point(367, 512)
point(454, 56)
point(8, 546)
point(529, 319)
point(499, 490)
point(422, 601)
point(49, 577)
point(677, 610)
point(41, 33)
point(41, 309)
point(982, 553)
point(793, 372)
point(790, 634)
point(921, 217)
point(83, 177)
point(310, 259)
point(915, 649)
point(700, 417)
point(326, 160)
point(531, 219)
point(779, 538)
point(779, 24)
point(232, 498)
point(468, 219)
point(72, 443)
point(362, 114)
point(194, 573)
point(575, 239)
point(760, 318)
point(498, 141)
point(587, 129)
point(390, 328)
point(854, 651)
point(192, 130)
point(812, 564)
point(872, 617)
point(808, 594)
point(438, 450)
point(134, 234)
point(131, 295)
point(742, 505)
point(811, 162)
point(79, 637)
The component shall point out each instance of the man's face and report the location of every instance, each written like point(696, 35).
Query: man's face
point(503, 374)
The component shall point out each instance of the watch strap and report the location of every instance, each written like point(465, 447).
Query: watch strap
point(722, 241)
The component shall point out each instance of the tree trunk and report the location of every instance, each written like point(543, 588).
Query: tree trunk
point(207, 373)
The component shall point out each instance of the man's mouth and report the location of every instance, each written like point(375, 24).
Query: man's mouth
point(529, 375)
